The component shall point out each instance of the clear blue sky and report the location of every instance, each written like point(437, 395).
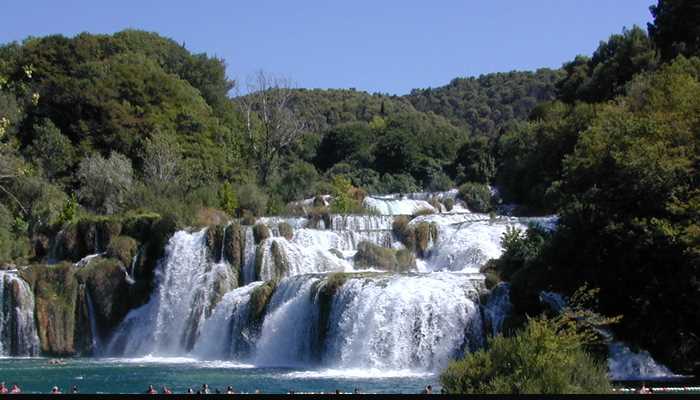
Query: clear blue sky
point(386, 46)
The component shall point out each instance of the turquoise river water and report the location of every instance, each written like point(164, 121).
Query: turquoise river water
point(123, 375)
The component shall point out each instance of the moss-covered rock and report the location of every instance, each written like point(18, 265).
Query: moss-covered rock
point(336, 253)
point(122, 248)
point(260, 233)
point(248, 218)
point(105, 279)
point(317, 215)
point(425, 233)
point(326, 290)
point(449, 204)
point(55, 293)
point(370, 255)
point(403, 231)
point(405, 260)
point(234, 246)
point(259, 299)
point(214, 238)
point(286, 230)
point(279, 260)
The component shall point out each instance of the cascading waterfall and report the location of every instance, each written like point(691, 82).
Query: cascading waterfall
point(94, 334)
point(465, 241)
point(18, 334)
point(286, 334)
point(228, 332)
point(249, 256)
point(170, 322)
point(498, 307)
point(282, 258)
point(409, 321)
point(316, 307)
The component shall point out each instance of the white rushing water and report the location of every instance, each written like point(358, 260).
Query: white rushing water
point(403, 321)
point(170, 322)
point(18, 334)
point(624, 364)
point(361, 322)
point(465, 242)
point(227, 333)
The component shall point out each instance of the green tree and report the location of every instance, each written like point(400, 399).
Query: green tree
point(474, 162)
point(546, 357)
point(613, 64)
point(676, 28)
point(51, 150)
point(105, 182)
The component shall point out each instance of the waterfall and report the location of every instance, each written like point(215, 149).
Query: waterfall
point(465, 242)
point(94, 334)
point(249, 256)
point(18, 334)
point(388, 206)
point(227, 333)
point(398, 322)
point(304, 303)
point(497, 307)
point(286, 334)
point(282, 258)
point(170, 322)
point(624, 364)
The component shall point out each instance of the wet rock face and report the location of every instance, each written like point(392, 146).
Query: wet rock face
point(55, 289)
point(111, 294)
point(260, 233)
point(233, 247)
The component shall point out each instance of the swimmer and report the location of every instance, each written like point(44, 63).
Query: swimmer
point(55, 390)
point(151, 390)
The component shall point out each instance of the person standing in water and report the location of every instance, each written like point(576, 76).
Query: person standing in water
point(151, 390)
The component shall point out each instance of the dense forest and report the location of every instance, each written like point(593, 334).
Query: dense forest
point(134, 123)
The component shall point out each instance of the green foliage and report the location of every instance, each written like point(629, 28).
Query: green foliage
point(477, 196)
point(520, 250)
point(613, 64)
point(69, 211)
point(546, 357)
point(298, 181)
point(252, 199)
point(490, 102)
point(531, 153)
point(676, 28)
point(343, 201)
point(104, 182)
point(474, 162)
point(227, 199)
point(51, 150)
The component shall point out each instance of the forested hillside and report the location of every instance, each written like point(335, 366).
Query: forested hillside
point(490, 102)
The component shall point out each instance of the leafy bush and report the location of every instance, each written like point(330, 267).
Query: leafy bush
point(228, 199)
point(476, 195)
point(104, 182)
point(546, 357)
point(252, 199)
